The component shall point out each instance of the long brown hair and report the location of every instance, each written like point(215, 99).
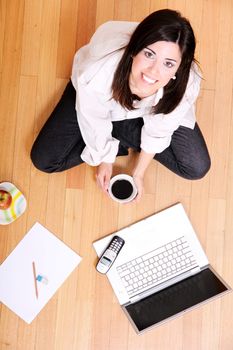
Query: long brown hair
point(162, 25)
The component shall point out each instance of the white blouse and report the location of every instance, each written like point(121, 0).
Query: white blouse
point(92, 75)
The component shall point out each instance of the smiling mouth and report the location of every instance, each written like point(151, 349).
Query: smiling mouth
point(149, 80)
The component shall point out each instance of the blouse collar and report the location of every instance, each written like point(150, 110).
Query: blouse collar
point(150, 100)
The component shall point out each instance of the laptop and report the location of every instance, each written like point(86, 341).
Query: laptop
point(162, 270)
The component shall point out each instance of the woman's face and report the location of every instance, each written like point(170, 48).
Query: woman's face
point(153, 67)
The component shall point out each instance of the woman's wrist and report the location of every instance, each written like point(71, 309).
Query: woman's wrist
point(138, 174)
point(142, 164)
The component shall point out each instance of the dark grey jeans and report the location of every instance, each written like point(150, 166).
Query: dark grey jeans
point(59, 144)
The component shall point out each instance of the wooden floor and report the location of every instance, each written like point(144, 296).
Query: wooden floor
point(38, 39)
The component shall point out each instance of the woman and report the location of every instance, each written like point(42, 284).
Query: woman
point(133, 86)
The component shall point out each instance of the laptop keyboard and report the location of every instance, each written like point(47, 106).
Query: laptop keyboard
point(157, 266)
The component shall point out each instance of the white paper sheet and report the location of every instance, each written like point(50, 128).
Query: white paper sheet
point(53, 261)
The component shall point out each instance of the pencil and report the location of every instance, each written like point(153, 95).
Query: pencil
point(35, 281)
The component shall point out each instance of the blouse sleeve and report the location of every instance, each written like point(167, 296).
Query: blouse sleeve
point(157, 131)
point(95, 126)
point(111, 36)
point(92, 74)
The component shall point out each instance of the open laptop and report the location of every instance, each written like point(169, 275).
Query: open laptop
point(162, 270)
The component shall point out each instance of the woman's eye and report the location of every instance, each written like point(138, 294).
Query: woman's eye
point(169, 64)
point(149, 54)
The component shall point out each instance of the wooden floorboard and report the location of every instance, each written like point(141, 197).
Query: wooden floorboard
point(37, 42)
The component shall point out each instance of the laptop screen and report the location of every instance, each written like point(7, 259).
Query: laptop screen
point(175, 299)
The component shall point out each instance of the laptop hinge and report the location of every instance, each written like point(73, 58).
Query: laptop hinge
point(205, 267)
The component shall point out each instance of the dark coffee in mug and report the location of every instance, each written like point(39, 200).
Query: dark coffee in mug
point(122, 189)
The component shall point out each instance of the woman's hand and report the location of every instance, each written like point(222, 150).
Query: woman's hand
point(103, 175)
point(138, 180)
point(143, 162)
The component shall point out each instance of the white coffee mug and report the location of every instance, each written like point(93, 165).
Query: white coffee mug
point(122, 188)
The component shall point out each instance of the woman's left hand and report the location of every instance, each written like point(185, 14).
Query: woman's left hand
point(140, 187)
point(144, 160)
point(103, 175)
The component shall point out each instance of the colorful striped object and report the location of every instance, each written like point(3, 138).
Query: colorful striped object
point(17, 207)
